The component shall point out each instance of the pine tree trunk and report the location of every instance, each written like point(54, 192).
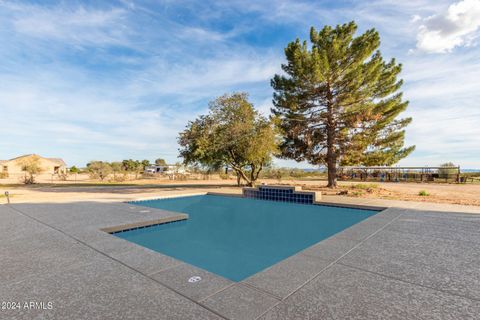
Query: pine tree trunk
point(331, 160)
point(332, 173)
point(331, 152)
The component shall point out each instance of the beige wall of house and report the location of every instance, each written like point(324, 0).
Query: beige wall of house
point(47, 165)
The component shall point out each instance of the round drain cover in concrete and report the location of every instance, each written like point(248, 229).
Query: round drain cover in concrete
point(194, 279)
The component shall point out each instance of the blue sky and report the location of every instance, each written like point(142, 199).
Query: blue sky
point(119, 79)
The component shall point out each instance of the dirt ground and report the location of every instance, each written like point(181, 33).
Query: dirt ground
point(465, 194)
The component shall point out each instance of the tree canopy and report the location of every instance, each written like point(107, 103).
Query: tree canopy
point(31, 166)
point(102, 169)
point(99, 169)
point(448, 169)
point(160, 162)
point(232, 134)
point(74, 169)
point(338, 101)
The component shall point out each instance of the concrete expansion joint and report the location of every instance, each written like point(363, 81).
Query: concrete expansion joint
point(408, 282)
point(246, 284)
point(218, 291)
point(330, 265)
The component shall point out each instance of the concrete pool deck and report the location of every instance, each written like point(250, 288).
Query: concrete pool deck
point(403, 263)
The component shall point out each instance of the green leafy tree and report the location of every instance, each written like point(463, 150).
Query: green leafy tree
point(130, 165)
point(99, 169)
point(31, 167)
point(233, 134)
point(135, 166)
point(117, 168)
point(145, 163)
point(160, 162)
point(74, 169)
point(338, 102)
point(447, 170)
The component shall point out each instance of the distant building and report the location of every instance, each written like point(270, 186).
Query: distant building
point(168, 169)
point(47, 165)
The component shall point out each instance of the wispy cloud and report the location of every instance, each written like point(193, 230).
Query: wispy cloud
point(71, 25)
point(220, 74)
point(113, 80)
point(40, 117)
point(111, 103)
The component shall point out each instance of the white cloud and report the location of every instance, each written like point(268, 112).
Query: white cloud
point(456, 27)
point(265, 106)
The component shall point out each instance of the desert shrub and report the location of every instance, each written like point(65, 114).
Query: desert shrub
point(119, 178)
point(181, 176)
point(285, 173)
point(365, 186)
point(473, 177)
point(63, 176)
point(224, 176)
point(274, 173)
point(298, 173)
point(423, 193)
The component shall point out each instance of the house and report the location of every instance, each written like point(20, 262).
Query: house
point(47, 165)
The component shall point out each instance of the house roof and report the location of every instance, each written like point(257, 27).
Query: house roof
point(58, 161)
point(23, 156)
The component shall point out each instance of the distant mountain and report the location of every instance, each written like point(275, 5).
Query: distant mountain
point(470, 170)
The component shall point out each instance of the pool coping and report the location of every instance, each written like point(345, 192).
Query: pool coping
point(282, 269)
point(145, 224)
point(166, 197)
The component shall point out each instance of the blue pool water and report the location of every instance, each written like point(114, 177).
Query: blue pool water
point(238, 237)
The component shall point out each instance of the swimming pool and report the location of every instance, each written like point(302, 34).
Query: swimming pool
point(238, 237)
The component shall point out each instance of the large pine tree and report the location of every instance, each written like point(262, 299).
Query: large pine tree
point(338, 102)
